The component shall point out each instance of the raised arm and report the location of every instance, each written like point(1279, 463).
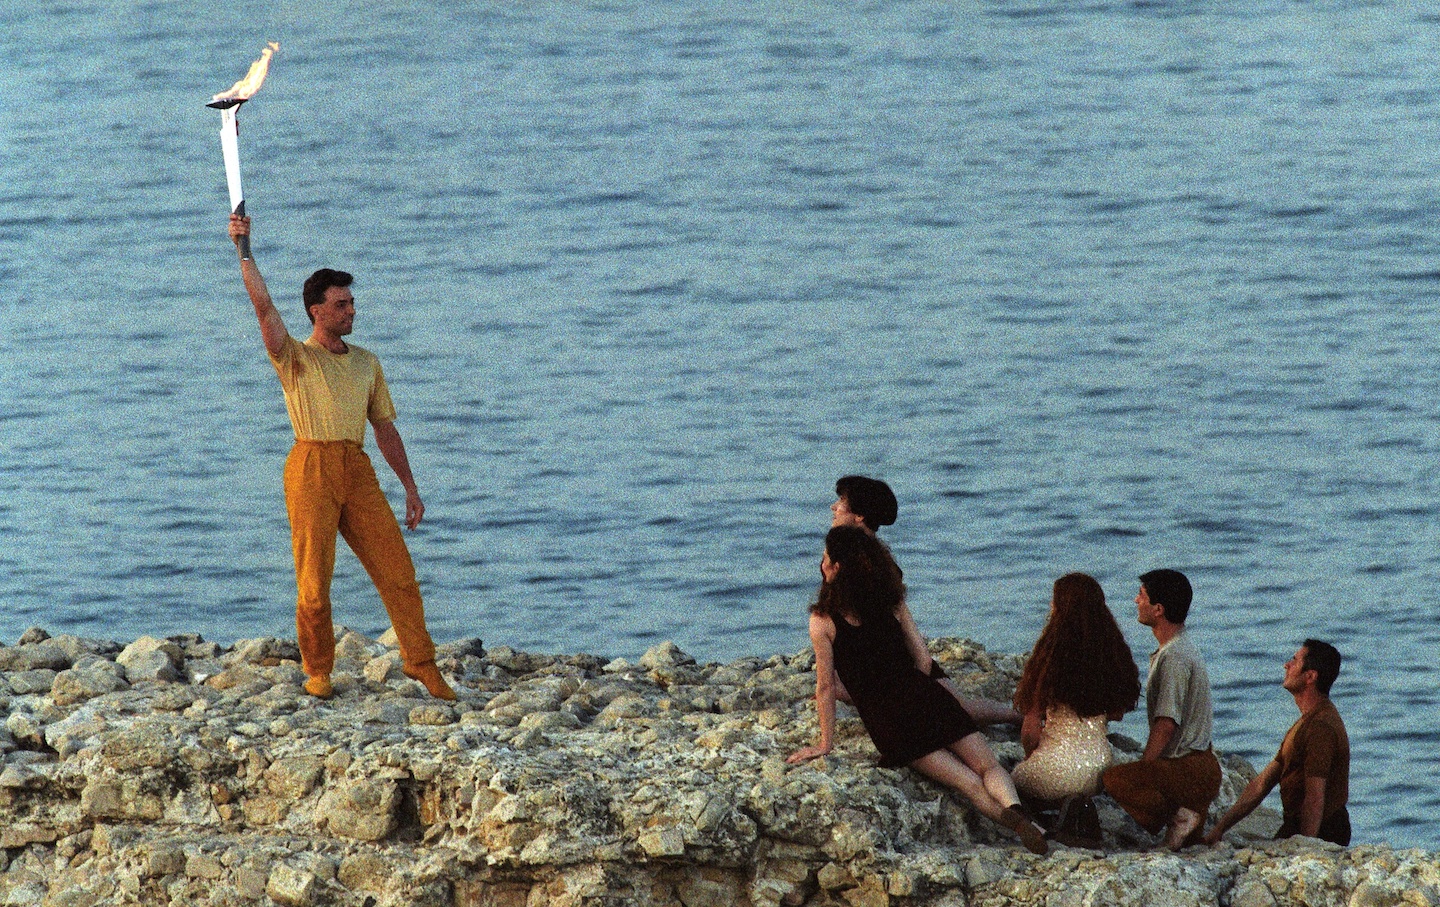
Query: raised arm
point(272, 326)
point(983, 711)
point(392, 448)
point(1245, 804)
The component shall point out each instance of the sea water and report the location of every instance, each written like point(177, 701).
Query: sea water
point(1103, 287)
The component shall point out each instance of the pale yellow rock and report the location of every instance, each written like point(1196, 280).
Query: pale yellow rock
point(834, 877)
point(663, 842)
point(384, 668)
point(362, 809)
point(629, 787)
point(366, 872)
point(165, 858)
point(204, 866)
point(432, 715)
point(251, 882)
point(292, 887)
point(19, 834)
point(870, 892)
point(292, 777)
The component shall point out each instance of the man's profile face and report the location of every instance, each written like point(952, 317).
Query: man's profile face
point(1145, 609)
point(336, 313)
point(1295, 671)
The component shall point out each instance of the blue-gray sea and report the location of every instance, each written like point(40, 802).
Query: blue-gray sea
point(1094, 285)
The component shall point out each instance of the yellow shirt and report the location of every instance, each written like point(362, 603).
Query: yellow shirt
point(330, 396)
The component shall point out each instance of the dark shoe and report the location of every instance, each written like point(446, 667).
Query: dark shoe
point(1087, 821)
point(1065, 818)
point(1079, 824)
point(1031, 835)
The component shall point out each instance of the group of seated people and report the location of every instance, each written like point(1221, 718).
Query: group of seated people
point(1080, 676)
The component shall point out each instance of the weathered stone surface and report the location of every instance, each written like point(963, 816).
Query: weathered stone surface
point(384, 668)
point(291, 778)
point(353, 644)
point(264, 651)
point(433, 715)
point(148, 658)
point(86, 682)
point(293, 887)
point(37, 680)
point(362, 809)
point(25, 730)
point(33, 656)
point(553, 780)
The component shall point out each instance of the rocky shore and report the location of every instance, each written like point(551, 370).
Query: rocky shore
point(177, 771)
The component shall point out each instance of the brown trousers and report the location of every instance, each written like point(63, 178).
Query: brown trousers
point(330, 487)
point(1151, 792)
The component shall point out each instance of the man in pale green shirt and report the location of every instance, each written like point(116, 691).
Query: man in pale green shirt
point(1170, 788)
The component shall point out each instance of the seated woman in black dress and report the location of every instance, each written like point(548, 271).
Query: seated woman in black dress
point(869, 504)
point(863, 632)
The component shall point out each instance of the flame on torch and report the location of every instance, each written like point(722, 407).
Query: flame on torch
point(245, 89)
point(228, 103)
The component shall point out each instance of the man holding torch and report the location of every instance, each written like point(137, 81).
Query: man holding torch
point(332, 388)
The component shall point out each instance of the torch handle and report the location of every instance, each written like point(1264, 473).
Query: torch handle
point(244, 240)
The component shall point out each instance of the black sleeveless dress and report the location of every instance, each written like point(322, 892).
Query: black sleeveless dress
point(907, 714)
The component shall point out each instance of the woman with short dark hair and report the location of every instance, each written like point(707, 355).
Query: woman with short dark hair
point(869, 504)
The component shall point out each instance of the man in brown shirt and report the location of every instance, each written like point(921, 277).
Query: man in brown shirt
point(1313, 765)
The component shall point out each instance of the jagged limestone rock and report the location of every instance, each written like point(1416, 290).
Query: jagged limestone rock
point(567, 779)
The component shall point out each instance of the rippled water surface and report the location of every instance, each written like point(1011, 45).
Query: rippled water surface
point(1103, 287)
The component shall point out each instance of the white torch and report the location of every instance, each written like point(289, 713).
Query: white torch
point(228, 103)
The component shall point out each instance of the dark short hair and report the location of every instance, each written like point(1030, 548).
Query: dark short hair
point(870, 499)
point(1324, 660)
point(316, 285)
point(1171, 590)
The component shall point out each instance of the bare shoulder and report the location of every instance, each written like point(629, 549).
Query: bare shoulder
point(821, 627)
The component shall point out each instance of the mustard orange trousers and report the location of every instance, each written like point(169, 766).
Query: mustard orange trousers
point(330, 488)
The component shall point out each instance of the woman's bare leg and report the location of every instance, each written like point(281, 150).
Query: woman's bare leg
point(950, 770)
point(969, 767)
point(976, 754)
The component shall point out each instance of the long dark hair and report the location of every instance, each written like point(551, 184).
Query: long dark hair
point(1081, 659)
point(868, 584)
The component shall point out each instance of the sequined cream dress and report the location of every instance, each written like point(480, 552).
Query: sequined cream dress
point(1072, 754)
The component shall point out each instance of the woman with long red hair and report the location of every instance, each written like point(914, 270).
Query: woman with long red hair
point(1079, 677)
